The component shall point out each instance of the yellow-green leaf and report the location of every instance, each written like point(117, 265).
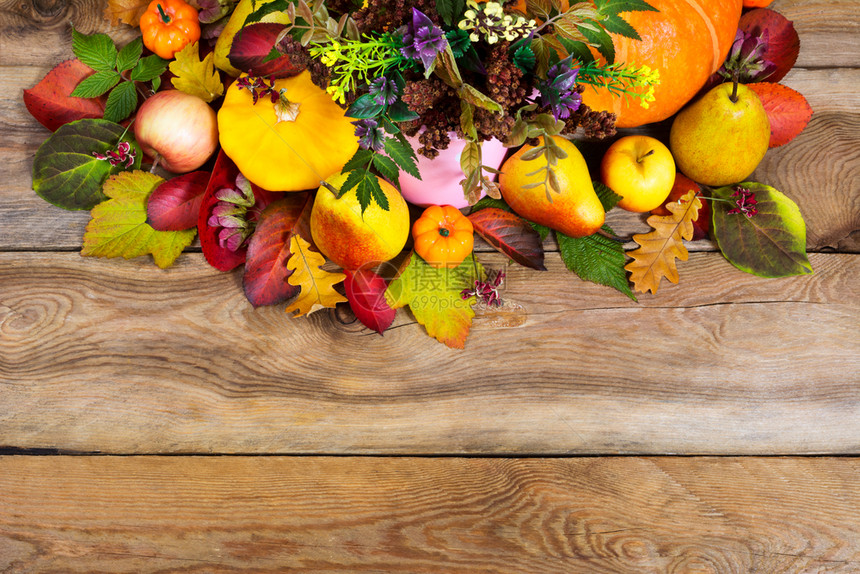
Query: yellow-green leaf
point(317, 285)
point(433, 296)
point(196, 77)
point(118, 226)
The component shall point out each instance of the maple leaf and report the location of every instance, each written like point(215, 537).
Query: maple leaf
point(434, 297)
point(128, 11)
point(195, 76)
point(317, 285)
point(118, 226)
point(655, 257)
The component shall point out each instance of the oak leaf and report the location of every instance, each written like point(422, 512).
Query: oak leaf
point(195, 76)
point(655, 257)
point(317, 285)
point(434, 297)
point(128, 11)
point(118, 226)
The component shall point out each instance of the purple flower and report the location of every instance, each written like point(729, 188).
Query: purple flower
point(423, 39)
point(487, 292)
point(746, 58)
point(558, 91)
point(124, 155)
point(258, 88)
point(369, 134)
point(231, 214)
point(745, 202)
point(384, 91)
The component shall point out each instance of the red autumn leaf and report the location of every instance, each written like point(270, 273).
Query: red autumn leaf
point(175, 204)
point(252, 46)
point(366, 293)
point(265, 280)
point(682, 185)
point(511, 235)
point(224, 175)
point(783, 43)
point(50, 101)
point(787, 111)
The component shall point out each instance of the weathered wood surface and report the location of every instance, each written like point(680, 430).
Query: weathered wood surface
point(123, 358)
point(327, 515)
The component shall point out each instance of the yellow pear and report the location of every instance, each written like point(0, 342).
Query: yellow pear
point(574, 209)
point(722, 137)
point(353, 239)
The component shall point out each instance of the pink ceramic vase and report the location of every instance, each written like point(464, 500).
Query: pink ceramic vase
point(440, 177)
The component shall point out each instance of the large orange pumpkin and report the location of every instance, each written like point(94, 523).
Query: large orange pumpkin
point(687, 41)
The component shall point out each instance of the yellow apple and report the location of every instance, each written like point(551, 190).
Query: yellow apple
point(641, 170)
point(353, 239)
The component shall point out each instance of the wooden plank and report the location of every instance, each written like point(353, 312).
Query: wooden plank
point(120, 357)
point(828, 30)
point(327, 515)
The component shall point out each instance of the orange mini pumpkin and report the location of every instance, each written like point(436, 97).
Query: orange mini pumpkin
point(687, 41)
point(443, 236)
point(286, 150)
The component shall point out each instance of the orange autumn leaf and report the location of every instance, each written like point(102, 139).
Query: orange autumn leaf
point(655, 257)
point(787, 111)
point(317, 285)
point(128, 11)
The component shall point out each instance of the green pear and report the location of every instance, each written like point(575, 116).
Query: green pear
point(722, 137)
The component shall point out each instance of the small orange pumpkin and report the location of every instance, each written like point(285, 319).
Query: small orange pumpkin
point(686, 40)
point(286, 153)
point(443, 236)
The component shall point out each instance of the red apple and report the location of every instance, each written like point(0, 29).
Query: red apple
point(179, 129)
point(641, 170)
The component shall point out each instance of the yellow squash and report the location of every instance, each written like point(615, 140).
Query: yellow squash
point(283, 154)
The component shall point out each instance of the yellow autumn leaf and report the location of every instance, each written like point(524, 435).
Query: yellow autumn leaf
point(194, 76)
point(128, 11)
point(655, 257)
point(317, 285)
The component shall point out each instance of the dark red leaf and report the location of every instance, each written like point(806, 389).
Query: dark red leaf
point(175, 204)
point(224, 175)
point(683, 184)
point(366, 293)
point(787, 111)
point(511, 235)
point(265, 281)
point(50, 101)
point(252, 46)
point(783, 44)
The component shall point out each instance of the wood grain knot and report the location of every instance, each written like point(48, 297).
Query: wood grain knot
point(47, 13)
point(32, 318)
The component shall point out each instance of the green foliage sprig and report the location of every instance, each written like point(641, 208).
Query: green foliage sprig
point(117, 72)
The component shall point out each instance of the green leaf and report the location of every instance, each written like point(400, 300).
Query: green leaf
point(266, 8)
point(148, 69)
point(579, 51)
point(601, 40)
point(445, 66)
point(459, 41)
point(450, 10)
point(129, 55)
point(387, 168)
point(97, 84)
point(609, 7)
point(618, 25)
point(771, 243)
point(597, 259)
point(118, 226)
point(121, 102)
point(608, 198)
point(470, 158)
point(368, 188)
point(364, 107)
point(96, 51)
point(360, 159)
point(467, 121)
point(66, 174)
point(433, 296)
point(400, 112)
point(524, 58)
point(475, 97)
point(403, 155)
point(542, 56)
point(352, 178)
point(488, 201)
